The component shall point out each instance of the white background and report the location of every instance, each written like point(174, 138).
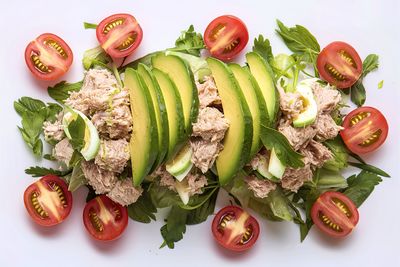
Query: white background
point(370, 26)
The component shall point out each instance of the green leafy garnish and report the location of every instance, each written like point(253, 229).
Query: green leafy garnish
point(77, 129)
point(42, 171)
point(361, 186)
point(175, 227)
point(88, 25)
point(369, 168)
point(61, 91)
point(95, 57)
point(339, 153)
point(271, 138)
point(357, 91)
point(380, 84)
point(77, 178)
point(143, 210)
point(189, 42)
point(262, 46)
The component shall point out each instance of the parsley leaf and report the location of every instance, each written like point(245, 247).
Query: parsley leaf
point(339, 153)
point(361, 186)
point(61, 91)
point(143, 209)
point(88, 25)
point(189, 42)
point(357, 91)
point(263, 48)
point(272, 139)
point(42, 171)
point(201, 213)
point(175, 227)
point(298, 39)
point(25, 104)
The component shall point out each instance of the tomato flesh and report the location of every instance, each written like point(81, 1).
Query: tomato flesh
point(334, 214)
point(48, 201)
point(235, 229)
point(226, 36)
point(119, 35)
point(339, 64)
point(365, 130)
point(48, 57)
point(104, 219)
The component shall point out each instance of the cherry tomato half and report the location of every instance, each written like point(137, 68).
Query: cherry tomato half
point(334, 214)
point(339, 64)
point(48, 200)
point(119, 35)
point(235, 229)
point(104, 219)
point(48, 57)
point(226, 36)
point(365, 129)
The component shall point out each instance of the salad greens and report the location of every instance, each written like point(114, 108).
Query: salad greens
point(61, 91)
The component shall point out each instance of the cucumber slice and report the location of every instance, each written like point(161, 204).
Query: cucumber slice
point(181, 163)
point(276, 168)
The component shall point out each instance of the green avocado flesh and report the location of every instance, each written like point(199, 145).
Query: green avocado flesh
point(238, 138)
point(144, 138)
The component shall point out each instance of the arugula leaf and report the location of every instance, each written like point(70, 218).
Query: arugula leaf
point(76, 129)
point(369, 168)
point(175, 227)
point(298, 39)
point(88, 25)
point(189, 42)
point(42, 171)
point(263, 48)
point(61, 91)
point(357, 91)
point(361, 186)
point(95, 57)
point(271, 138)
point(143, 209)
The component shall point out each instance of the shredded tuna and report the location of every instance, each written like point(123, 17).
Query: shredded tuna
point(54, 131)
point(204, 153)
point(316, 154)
point(115, 123)
point(211, 125)
point(196, 182)
point(208, 93)
point(63, 151)
point(327, 98)
point(166, 179)
point(326, 128)
point(256, 162)
point(291, 104)
point(113, 155)
point(98, 89)
point(260, 188)
point(293, 179)
point(297, 137)
point(101, 180)
point(124, 192)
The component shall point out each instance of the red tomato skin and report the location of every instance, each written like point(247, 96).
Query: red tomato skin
point(110, 233)
point(57, 71)
point(324, 204)
point(129, 21)
point(353, 135)
point(219, 237)
point(232, 23)
point(333, 54)
point(45, 181)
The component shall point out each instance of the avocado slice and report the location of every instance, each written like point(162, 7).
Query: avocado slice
point(144, 138)
point(182, 76)
point(253, 97)
point(173, 104)
point(310, 112)
point(264, 77)
point(238, 139)
point(160, 112)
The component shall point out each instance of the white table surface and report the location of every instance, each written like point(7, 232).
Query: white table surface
point(370, 26)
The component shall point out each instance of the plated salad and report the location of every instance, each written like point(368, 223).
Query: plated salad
point(175, 127)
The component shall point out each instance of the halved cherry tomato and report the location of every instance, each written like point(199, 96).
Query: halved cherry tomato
point(334, 214)
point(235, 229)
point(104, 219)
point(365, 129)
point(119, 35)
point(226, 36)
point(48, 200)
point(339, 64)
point(48, 57)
